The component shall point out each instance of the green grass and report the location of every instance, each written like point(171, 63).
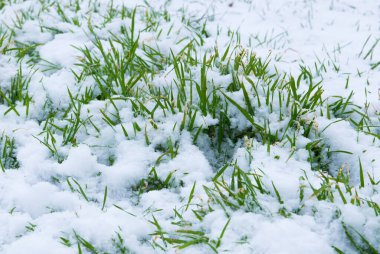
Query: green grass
point(17, 92)
point(8, 159)
point(153, 182)
point(357, 241)
point(123, 68)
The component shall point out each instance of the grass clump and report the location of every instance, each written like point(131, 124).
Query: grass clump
point(17, 92)
point(117, 245)
point(8, 158)
point(357, 240)
point(154, 182)
point(186, 236)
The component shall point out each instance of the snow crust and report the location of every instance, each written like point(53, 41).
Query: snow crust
point(290, 32)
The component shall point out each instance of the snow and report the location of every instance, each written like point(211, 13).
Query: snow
point(101, 188)
point(80, 163)
point(132, 162)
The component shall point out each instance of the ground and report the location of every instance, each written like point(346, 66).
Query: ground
point(183, 126)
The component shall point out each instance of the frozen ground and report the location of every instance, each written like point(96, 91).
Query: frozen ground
point(190, 126)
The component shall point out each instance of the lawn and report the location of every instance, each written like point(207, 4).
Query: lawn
point(184, 126)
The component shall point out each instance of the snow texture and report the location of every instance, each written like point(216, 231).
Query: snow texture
point(96, 188)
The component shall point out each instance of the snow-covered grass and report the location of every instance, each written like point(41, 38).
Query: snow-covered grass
point(189, 126)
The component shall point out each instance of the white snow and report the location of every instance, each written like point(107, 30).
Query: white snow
point(99, 185)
